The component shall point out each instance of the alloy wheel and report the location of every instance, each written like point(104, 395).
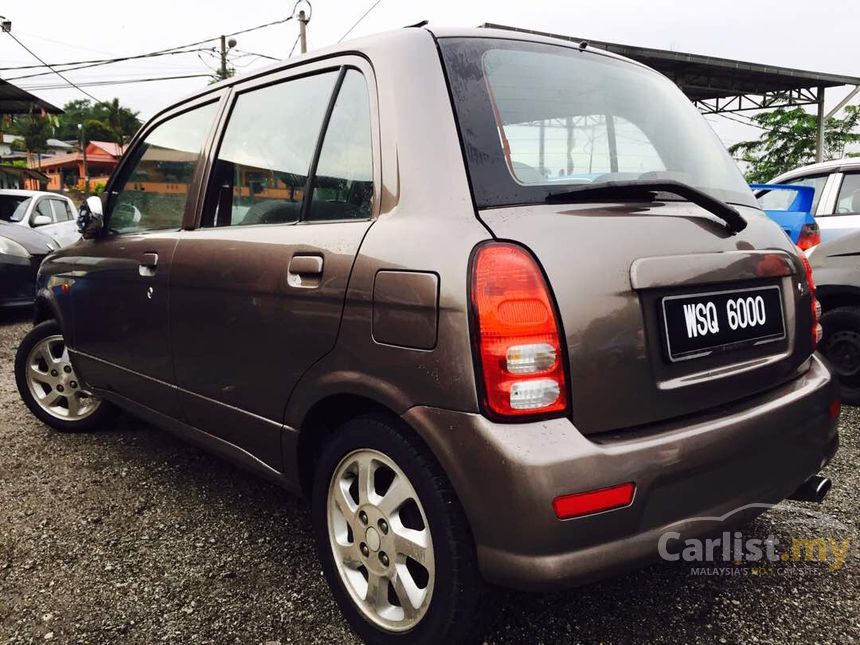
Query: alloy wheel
point(380, 540)
point(53, 383)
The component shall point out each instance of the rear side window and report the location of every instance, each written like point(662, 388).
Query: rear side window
point(848, 200)
point(343, 182)
point(157, 180)
point(265, 156)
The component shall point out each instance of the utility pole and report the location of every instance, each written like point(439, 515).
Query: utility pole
point(303, 31)
point(86, 168)
point(819, 134)
point(223, 70)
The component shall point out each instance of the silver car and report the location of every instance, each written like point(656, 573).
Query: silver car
point(836, 205)
point(53, 214)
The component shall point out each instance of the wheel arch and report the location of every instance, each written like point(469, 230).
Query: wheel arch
point(323, 419)
point(835, 296)
point(45, 307)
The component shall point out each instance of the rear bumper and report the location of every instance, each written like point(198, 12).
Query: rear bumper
point(506, 475)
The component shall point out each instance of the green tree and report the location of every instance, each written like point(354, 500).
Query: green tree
point(96, 130)
point(788, 141)
point(122, 122)
point(34, 130)
point(105, 121)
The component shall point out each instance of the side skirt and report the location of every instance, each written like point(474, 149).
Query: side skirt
point(202, 439)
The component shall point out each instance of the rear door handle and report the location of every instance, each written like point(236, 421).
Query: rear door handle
point(305, 271)
point(148, 264)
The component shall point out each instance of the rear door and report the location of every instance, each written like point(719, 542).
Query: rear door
point(257, 289)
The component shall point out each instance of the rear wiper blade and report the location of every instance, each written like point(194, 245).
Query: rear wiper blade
point(637, 189)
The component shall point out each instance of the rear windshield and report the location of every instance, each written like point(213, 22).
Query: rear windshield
point(538, 118)
point(13, 207)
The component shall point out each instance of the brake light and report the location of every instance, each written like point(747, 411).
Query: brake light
point(516, 334)
point(815, 306)
point(578, 504)
point(810, 236)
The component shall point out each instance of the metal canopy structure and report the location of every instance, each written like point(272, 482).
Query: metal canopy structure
point(720, 85)
point(14, 100)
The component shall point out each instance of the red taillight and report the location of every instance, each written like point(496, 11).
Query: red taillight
point(834, 408)
point(595, 501)
point(809, 236)
point(814, 305)
point(516, 334)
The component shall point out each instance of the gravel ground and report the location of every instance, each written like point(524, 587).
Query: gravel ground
point(132, 536)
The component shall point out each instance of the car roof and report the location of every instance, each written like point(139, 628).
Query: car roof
point(818, 168)
point(28, 193)
point(397, 40)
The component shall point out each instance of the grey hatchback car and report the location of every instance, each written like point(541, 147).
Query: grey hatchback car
point(499, 305)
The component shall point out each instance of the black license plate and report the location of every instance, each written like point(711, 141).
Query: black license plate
point(705, 323)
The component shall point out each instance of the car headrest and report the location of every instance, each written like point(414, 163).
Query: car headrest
point(855, 201)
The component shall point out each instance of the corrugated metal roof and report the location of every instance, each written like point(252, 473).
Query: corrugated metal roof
point(708, 77)
point(14, 100)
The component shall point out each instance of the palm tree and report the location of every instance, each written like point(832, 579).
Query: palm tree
point(120, 120)
point(34, 131)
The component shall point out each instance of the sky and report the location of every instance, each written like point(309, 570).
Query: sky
point(820, 36)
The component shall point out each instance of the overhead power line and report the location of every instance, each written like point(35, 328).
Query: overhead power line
point(36, 56)
point(121, 81)
point(258, 55)
point(75, 65)
point(99, 60)
point(356, 23)
point(109, 61)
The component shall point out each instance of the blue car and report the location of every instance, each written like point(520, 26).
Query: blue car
point(792, 211)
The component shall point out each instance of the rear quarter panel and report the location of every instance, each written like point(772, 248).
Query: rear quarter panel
point(427, 223)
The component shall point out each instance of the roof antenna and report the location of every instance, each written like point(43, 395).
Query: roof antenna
point(418, 24)
point(583, 44)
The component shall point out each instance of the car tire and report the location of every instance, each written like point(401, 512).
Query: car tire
point(44, 374)
point(447, 613)
point(840, 344)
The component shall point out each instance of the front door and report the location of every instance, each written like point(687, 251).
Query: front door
point(843, 216)
point(257, 290)
point(62, 227)
point(121, 303)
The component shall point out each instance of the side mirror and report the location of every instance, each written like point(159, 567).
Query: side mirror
point(41, 220)
point(90, 217)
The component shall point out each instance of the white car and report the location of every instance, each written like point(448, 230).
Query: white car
point(836, 205)
point(52, 214)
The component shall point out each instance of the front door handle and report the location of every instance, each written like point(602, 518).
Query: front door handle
point(305, 271)
point(148, 264)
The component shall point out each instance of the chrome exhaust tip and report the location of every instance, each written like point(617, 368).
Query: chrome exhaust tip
point(814, 489)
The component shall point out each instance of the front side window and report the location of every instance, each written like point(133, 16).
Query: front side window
point(265, 156)
point(62, 212)
point(343, 182)
point(848, 201)
point(43, 209)
point(158, 178)
point(538, 119)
